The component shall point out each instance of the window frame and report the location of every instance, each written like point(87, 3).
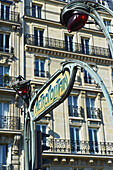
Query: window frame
point(92, 142)
point(41, 72)
point(75, 143)
point(5, 46)
point(68, 42)
point(73, 104)
point(37, 10)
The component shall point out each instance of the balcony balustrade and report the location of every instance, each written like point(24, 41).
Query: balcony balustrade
point(10, 123)
point(75, 111)
point(6, 167)
point(93, 113)
point(7, 49)
point(62, 45)
point(42, 14)
point(9, 16)
point(6, 81)
point(80, 147)
point(38, 73)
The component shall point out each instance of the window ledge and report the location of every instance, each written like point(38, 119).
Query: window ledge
point(90, 85)
point(94, 120)
point(76, 118)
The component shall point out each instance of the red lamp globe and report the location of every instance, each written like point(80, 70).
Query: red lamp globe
point(76, 21)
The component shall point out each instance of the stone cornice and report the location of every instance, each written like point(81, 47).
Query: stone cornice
point(69, 55)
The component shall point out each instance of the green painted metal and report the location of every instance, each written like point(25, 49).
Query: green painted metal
point(71, 65)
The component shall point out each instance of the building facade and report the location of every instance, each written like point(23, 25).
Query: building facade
point(33, 43)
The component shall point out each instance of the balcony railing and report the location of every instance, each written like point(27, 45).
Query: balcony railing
point(80, 147)
point(38, 73)
point(9, 16)
point(7, 49)
point(10, 122)
point(93, 113)
point(62, 45)
point(6, 81)
point(43, 14)
point(6, 167)
point(75, 111)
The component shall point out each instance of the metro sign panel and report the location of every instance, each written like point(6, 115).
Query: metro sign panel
point(54, 92)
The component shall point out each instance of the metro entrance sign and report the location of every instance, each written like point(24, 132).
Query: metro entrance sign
point(54, 91)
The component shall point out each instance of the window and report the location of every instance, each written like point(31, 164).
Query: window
point(4, 70)
point(93, 140)
point(36, 11)
point(4, 42)
point(75, 143)
point(68, 43)
point(85, 45)
point(4, 113)
point(87, 78)
point(91, 110)
point(5, 155)
point(42, 128)
point(107, 24)
point(73, 106)
point(38, 37)
point(39, 67)
point(5, 11)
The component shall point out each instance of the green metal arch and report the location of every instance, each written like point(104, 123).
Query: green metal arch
point(73, 63)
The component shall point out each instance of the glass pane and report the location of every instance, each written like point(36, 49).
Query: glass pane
point(1, 70)
point(7, 42)
point(66, 43)
point(75, 106)
point(91, 144)
point(36, 67)
point(2, 11)
point(41, 38)
point(70, 106)
point(38, 127)
point(82, 43)
point(71, 43)
point(6, 109)
point(87, 46)
point(2, 154)
point(33, 10)
point(44, 131)
point(96, 140)
point(73, 148)
point(42, 67)
point(6, 70)
point(1, 41)
point(7, 12)
point(0, 108)
point(35, 37)
point(39, 11)
point(77, 140)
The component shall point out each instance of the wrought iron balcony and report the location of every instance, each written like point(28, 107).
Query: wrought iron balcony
point(10, 122)
point(62, 45)
point(89, 80)
point(9, 16)
point(80, 147)
point(6, 167)
point(38, 73)
point(7, 49)
point(75, 111)
point(42, 14)
point(6, 80)
point(93, 113)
